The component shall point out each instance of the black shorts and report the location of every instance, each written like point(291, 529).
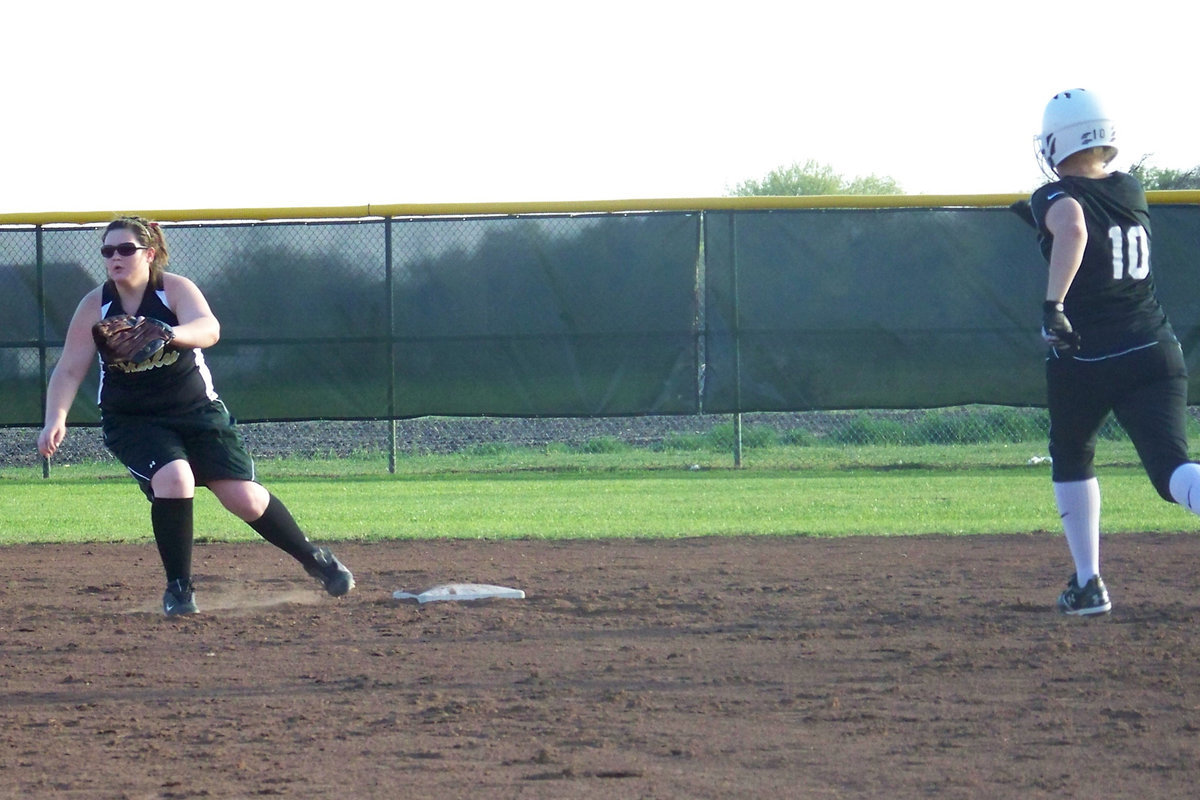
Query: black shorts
point(1147, 391)
point(205, 438)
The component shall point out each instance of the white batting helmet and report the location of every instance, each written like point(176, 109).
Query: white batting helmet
point(1074, 120)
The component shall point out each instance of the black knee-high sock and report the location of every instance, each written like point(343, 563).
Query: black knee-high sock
point(171, 518)
point(277, 526)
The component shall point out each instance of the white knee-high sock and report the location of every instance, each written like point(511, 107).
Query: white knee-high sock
point(1079, 507)
point(1185, 486)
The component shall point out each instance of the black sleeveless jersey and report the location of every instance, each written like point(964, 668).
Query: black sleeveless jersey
point(174, 384)
point(1112, 301)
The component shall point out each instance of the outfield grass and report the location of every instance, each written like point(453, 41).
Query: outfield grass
point(551, 493)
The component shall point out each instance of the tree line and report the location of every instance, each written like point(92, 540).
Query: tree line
point(816, 178)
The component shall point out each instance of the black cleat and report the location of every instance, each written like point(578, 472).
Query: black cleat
point(179, 599)
point(336, 579)
point(1091, 598)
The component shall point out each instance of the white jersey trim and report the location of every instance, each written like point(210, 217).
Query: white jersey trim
point(201, 365)
point(1054, 353)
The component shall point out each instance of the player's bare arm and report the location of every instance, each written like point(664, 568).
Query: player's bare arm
point(197, 327)
point(78, 357)
point(1065, 221)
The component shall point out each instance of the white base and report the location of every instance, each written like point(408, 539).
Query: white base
point(461, 591)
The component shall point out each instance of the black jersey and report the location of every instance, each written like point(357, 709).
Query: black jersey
point(1112, 301)
point(175, 384)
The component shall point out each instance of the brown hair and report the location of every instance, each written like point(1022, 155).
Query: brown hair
point(149, 234)
point(1105, 153)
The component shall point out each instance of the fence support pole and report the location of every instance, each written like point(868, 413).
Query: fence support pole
point(737, 344)
point(737, 440)
point(391, 348)
point(43, 366)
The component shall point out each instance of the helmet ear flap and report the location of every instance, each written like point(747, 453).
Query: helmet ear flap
point(1048, 149)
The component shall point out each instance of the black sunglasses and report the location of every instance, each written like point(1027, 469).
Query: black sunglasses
point(124, 248)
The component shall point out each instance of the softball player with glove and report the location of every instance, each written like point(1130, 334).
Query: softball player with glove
point(159, 413)
point(1111, 348)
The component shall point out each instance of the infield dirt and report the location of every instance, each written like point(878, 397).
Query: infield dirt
point(904, 667)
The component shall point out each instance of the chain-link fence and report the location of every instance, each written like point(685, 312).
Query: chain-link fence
point(837, 431)
point(678, 313)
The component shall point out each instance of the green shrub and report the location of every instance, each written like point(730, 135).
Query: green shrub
point(1193, 427)
point(723, 437)
point(687, 442)
point(967, 426)
point(866, 429)
point(492, 449)
point(1112, 431)
point(799, 437)
point(604, 444)
point(1019, 424)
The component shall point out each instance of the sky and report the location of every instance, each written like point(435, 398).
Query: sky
point(263, 104)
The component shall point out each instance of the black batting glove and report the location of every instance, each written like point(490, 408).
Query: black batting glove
point(1056, 328)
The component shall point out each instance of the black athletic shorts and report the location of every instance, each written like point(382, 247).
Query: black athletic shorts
point(1147, 391)
point(205, 438)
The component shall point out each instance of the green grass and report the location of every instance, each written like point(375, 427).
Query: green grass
point(608, 490)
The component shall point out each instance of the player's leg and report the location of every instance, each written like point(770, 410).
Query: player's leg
point(221, 463)
point(271, 519)
point(1154, 414)
point(1184, 486)
point(1078, 406)
point(154, 455)
point(1078, 504)
point(266, 514)
point(172, 492)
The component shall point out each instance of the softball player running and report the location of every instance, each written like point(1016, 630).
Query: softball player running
point(159, 412)
point(1111, 346)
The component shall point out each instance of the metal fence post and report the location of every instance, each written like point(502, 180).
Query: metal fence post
point(737, 343)
point(43, 367)
point(391, 348)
